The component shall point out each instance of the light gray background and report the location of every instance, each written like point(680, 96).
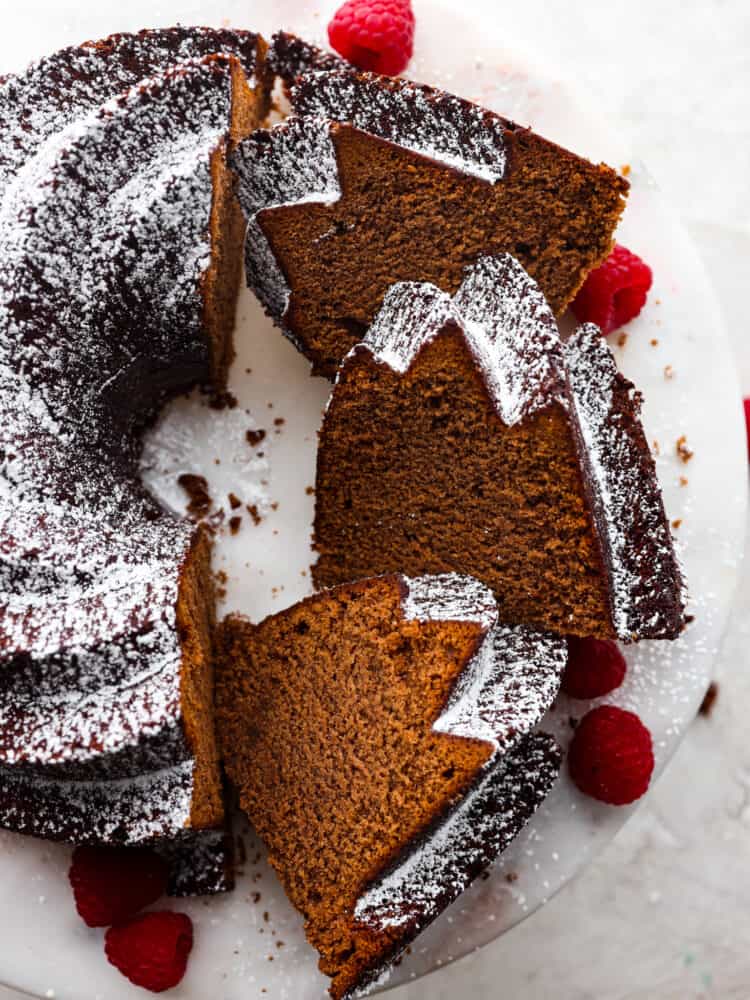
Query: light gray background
point(664, 913)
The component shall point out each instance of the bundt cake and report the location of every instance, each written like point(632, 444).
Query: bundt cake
point(120, 252)
point(380, 738)
point(289, 56)
point(62, 87)
point(463, 435)
point(378, 180)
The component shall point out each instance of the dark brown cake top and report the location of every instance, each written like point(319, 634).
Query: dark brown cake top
point(63, 86)
point(422, 119)
point(648, 594)
point(104, 238)
point(289, 56)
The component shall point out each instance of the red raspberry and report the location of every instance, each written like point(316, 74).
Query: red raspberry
point(746, 404)
point(375, 35)
point(151, 949)
point(595, 667)
point(615, 292)
point(112, 883)
point(611, 756)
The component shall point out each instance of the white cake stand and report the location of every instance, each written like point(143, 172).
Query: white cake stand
point(250, 943)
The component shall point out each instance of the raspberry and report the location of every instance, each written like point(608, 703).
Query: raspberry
point(615, 292)
point(746, 404)
point(595, 667)
point(151, 950)
point(375, 35)
point(110, 884)
point(611, 756)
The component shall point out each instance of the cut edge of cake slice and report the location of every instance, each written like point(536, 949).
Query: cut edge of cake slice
point(425, 708)
point(312, 211)
point(526, 372)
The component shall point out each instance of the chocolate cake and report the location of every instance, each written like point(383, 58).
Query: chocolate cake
point(377, 180)
point(380, 737)
point(464, 435)
point(62, 87)
point(289, 56)
point(119, 246)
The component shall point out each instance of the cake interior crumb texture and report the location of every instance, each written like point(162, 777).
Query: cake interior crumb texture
point(403, 216)
point(325, 716)
point(455, 440)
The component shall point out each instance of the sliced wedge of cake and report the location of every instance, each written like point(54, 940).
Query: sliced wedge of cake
point(381, 180)
point(380, 738)
point(463, 435)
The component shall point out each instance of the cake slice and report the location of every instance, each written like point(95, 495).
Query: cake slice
point(380, 180)
point(463, 435)
point(380, 738)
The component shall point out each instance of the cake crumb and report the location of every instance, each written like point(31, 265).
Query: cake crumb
point(255, 896)
point(511, 877)
point(677, 522)
point(223, 401)
point(275, 505)
point(252, 510)
point(254, 437)
point(684, 453)
point(668, 371)
point(199, 499)
point(683, 481)
point(622, 340)
point(654, 342)
point(220, 578)
point(235, 523)
point(625, 170)
point(309, 490)
point(655, 448)
point(709, 700)
point(234, 501)
point(279, 421)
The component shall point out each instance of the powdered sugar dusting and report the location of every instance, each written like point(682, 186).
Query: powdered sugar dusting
point(507, 325)
point(122, 812)
point(506, 689)
point(647, 590)
point(63, 87)
point(429, 122)
point(412, 314)
point(104, 238)
point(293, 163)
point(464, 843)
point(449, 597)
point(500, 696)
